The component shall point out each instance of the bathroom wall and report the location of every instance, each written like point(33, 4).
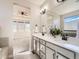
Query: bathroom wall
point(35, 14)
point(50, 20)
point(5, 17)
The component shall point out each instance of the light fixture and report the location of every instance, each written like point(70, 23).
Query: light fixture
point(60, 1)
point(43, 11)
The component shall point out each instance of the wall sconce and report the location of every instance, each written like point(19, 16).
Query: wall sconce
point(43, 11)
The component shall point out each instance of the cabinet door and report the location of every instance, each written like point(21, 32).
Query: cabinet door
point(37, 48)
point(34, 45)
point(50, 54)
point(42, 55)
point(61, 56)
point(42, 48)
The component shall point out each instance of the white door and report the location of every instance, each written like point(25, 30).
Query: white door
point(22, 37)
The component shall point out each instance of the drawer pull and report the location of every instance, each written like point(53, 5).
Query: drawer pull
point(57, 56)
point(53, 55)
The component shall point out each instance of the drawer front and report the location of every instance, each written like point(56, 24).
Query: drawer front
point(42, 41)
point(37, 48)
point(66, 52)
point(51, 46)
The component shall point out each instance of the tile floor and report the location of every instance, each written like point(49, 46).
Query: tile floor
point(26, 56)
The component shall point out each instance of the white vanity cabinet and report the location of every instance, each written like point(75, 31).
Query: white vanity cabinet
point(42, 49)
point(49, 50)
point(60, 52)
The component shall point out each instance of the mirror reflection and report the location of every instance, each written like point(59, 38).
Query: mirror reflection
point(71, 23)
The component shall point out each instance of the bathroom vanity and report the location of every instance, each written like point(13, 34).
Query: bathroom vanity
point(48, 47)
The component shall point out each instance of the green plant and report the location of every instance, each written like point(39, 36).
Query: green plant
point(55, 31)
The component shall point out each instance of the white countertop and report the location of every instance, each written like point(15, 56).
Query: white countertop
point(58, 41)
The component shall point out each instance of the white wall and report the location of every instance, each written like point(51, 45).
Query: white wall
point(56, 21)
point(50, 20)
point(5, 17)
point(35, 13)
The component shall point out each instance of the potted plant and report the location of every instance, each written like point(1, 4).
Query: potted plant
point(55, 31)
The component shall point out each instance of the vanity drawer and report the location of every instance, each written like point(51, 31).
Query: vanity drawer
point(42, 41)
point(50, 45)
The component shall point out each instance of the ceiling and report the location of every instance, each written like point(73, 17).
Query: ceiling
point(37, 2)
point(59, 8)
point(63, 8)
point(29, 2)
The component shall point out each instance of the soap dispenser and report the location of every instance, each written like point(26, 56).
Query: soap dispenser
point(43, 30)
point(64, 37)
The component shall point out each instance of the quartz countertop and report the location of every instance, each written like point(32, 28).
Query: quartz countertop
point(58, 41)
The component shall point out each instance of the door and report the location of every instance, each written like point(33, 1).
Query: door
point(22, 37)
